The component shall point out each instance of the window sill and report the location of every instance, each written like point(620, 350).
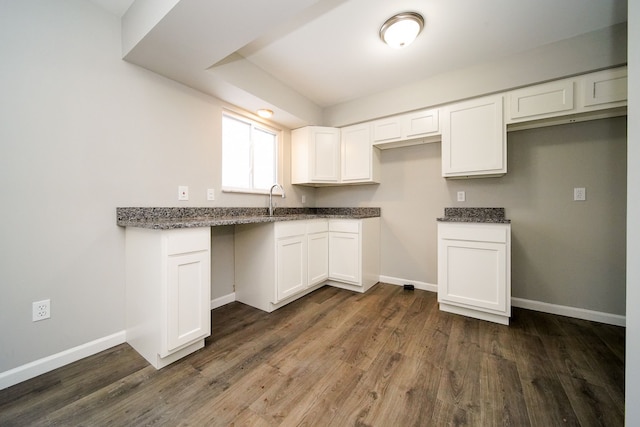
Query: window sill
point(276, 192)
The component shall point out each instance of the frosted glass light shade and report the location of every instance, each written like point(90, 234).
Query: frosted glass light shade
point(402, 29)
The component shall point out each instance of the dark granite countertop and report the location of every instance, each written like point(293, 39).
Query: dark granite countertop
point(160, 218)
point(483, 215)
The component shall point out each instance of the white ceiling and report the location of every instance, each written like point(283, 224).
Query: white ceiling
point(326, 52)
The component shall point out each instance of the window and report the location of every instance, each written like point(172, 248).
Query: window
point(249, 155)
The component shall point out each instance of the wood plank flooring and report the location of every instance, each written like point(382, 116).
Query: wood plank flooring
point(337, 358)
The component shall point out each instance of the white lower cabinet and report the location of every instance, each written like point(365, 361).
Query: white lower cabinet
point(317, 251)
point(272, 262)
point(279, 262)
point(474, 270)
point(168, 275)
point(291, 258)
point(354, 253)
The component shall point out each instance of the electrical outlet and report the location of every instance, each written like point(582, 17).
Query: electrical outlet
point(579, 194)
point(462, 196)
point(304, 199)
point(211, 194)
point(183, 192)
point(41, 310)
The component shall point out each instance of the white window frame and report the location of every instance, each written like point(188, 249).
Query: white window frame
point(278, 167)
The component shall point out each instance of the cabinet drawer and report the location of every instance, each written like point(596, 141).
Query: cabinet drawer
point(317, 226)
point(344, 226)
point(474, 232)
point(188, 240)
point(290, 228)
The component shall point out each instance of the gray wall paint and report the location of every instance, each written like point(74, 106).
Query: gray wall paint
point(563, 252)
point(82, 133)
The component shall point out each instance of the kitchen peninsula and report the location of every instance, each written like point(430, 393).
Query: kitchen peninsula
point(278, 259)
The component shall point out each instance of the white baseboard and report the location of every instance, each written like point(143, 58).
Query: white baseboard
point(223, 300)
point(563, 310)
point(418, 285)
point(55, 361)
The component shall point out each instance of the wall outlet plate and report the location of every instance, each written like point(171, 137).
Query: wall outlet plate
point(462, 196)
point(41, 310)
point(579, 194)
point(211, 194)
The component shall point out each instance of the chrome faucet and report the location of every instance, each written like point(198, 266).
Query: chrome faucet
point(271, 196)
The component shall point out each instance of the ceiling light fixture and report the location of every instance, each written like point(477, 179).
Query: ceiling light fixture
point(265, 113)
point(401, 29)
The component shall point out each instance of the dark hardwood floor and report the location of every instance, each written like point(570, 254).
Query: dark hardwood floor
point(387, 358)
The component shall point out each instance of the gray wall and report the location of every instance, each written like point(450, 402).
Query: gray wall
point(563, 252)
point(81, 133)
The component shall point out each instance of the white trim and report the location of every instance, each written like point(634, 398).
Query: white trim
point(55, 361)
point(223, 300)
point(544, 307)
point(563, 310)
point(418, 285)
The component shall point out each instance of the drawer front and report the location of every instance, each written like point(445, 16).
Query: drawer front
point(188, 240)
point(290, 228)
point(344, 225)
point(474, 232)
point(317, 226)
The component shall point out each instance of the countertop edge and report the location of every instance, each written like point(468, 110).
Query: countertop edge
point(476, 220)
point(177, 223)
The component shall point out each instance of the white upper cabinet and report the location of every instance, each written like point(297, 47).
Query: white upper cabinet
point(315, 155)
point(604, 89)
point(360, 160)
point(594, 95)
point(474, 138)
point(407, 129)
point(541, 100)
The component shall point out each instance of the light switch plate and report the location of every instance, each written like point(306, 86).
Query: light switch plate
point(183, 192)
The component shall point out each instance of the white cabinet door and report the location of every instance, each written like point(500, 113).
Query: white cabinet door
point(325, 154)
point(318, 257)
point(344, 257)
point(474, 138)
point(315, 155)
point(541, 101)
point(357, 154)
point(291, 270)
point(474, 274)
point(188, 283)
point(605, 87)
point(421, 123)
point(387, 130)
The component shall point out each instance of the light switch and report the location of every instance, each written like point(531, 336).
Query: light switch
point(183, 192)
